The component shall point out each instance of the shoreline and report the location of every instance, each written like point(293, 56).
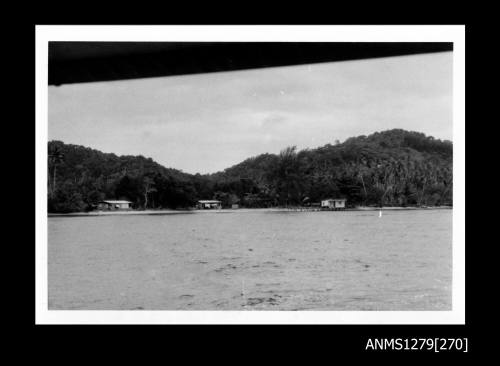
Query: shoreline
point(229, 210)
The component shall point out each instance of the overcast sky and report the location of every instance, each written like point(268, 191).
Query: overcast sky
point(208, 122)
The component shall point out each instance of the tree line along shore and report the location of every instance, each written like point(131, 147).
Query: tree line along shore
point(393, 168)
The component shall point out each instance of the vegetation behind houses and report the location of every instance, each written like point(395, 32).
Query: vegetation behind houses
point(392, 168)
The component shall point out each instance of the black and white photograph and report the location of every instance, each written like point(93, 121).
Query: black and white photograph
point(206, 174)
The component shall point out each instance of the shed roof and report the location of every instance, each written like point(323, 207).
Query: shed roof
point(334, 199)
point(116, 201)
point(209, 201)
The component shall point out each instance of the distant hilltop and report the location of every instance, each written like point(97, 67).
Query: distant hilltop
point(390, 168)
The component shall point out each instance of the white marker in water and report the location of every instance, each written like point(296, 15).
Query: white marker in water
point(380, 213)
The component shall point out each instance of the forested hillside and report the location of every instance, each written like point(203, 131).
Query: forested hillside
point(394, 167)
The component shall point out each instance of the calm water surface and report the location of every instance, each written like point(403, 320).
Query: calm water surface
point(255, 260)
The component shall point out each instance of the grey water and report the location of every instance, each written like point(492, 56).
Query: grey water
point(252, 260)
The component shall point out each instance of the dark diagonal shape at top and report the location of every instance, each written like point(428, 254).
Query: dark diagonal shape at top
point(78, 62)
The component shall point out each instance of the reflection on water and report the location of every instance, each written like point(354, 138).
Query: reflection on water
point(253, 260)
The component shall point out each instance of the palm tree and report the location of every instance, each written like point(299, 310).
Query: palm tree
point(55, 157)
point(148, 185)
point(287, 174)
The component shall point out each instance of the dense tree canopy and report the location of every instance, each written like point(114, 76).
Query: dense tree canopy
point(394, 167)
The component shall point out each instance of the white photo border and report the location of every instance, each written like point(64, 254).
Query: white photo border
point(400, 33)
